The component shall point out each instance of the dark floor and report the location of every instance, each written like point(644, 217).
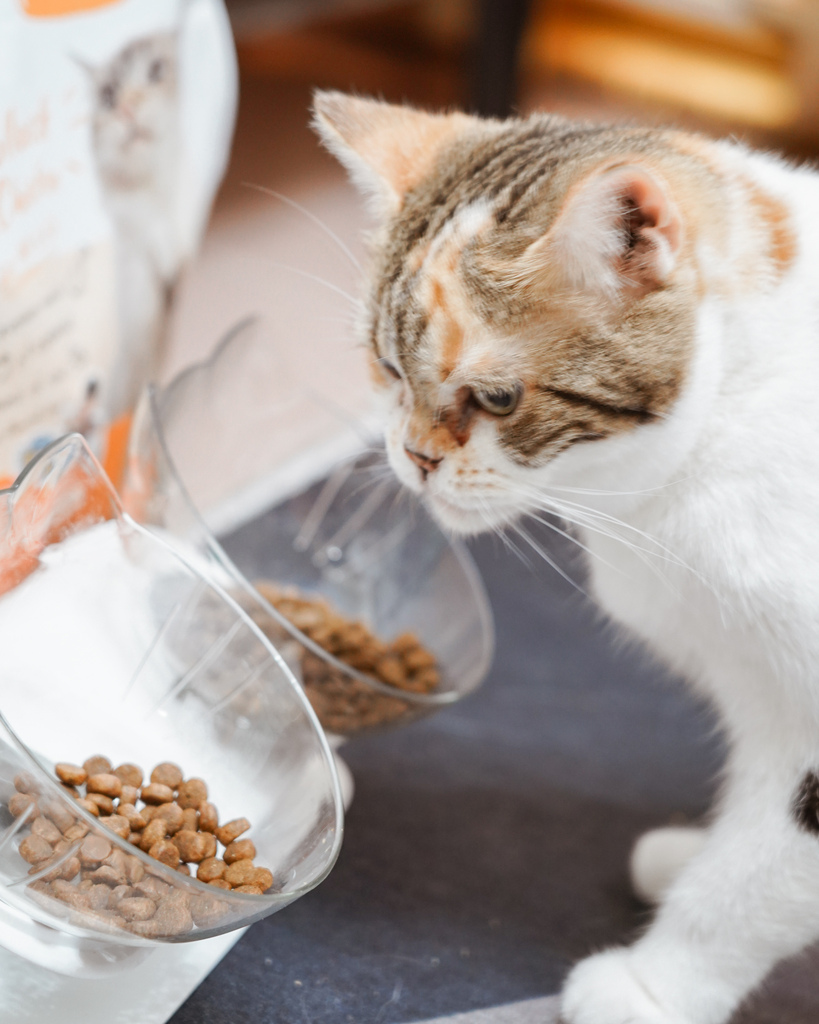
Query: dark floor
point(485, 849)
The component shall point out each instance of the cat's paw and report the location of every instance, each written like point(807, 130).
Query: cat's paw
point(659, 857)
point(605, 990)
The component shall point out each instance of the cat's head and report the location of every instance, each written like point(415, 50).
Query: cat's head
point(535, 302)
point(135, 108)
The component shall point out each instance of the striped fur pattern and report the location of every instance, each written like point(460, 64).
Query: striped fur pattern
point(620, 326)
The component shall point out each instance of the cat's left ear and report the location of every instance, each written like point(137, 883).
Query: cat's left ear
point(386, 148)
point(619, 231)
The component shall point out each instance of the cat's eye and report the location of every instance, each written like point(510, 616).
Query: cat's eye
point(156, 72)
point(389, 367)
point(499, 401)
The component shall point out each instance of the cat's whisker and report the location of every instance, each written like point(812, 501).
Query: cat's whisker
point(310, 216)
point(576, 541)
point(354, 302)
point(547, 557)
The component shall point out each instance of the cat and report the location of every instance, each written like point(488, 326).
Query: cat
point(620, 325)
point(136, 144)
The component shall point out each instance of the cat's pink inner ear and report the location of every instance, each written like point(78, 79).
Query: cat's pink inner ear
point(619, 230)
point(387, 149)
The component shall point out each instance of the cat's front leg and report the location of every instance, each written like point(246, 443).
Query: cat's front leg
point(747, 900)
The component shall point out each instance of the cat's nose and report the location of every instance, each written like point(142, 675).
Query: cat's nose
point(423, 462)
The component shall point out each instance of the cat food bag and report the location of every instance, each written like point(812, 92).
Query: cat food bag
point(115, 124)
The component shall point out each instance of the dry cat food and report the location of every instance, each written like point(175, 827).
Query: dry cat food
point(167, 816)
point(343, 703)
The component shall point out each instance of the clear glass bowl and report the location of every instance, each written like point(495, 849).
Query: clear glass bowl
point(113, 644)
point(315, 509)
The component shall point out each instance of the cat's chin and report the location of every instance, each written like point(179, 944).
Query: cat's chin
point(465, 521)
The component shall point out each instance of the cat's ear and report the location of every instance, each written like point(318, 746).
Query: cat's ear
point(619, 231)
point(386, 148)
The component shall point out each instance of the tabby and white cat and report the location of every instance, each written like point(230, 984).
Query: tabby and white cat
point(136, 141)
point(622, 325)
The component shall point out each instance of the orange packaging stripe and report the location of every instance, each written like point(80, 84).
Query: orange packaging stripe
point(117, 449)
point(58, 8)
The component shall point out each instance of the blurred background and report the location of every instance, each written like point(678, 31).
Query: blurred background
point(739, 67)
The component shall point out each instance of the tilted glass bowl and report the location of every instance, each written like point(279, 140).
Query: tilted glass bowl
point(215, 454)
point(113, 644)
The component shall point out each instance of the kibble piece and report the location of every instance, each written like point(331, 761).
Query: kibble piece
point(136, 821)
point(192, 793)
point(134, 869)
point(157, 793)
point(172, 814)
point(105, 874)
point(254, 889)
point(35, 849)
point(208, 844)
point(58, 813)
point(118, 824)
point(41, 826)
point(24, 782)
point(190, 819)
point(263, 878)
point(136, 908)
point(208, 818)
point(207, 910)
point(94, 850)
point(129, 794)
point(154, 832)
point(71, 774)
point(183, 869)
point(172, 917)
point(220, 883)
point(148, 811)
point(79, 830)
point(241, 872)
point(104, 803)
point(71, 791)
point(129, 775)
point(98, 896)
point(193, 846)
point(239, 849)
point(166, 852)
point(21, 802)
point(106, 783)
point(155, 888)
point(118, 860)
point(97, 764)
point(390, 669)
point(167, 774)
point(119, 893)
point(210, 869)
point(232, 830)
point(135, 838)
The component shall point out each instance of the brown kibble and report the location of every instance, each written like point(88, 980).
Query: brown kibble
point(167, 774)
point(106, 874)
point(155, 888)
point(183, 869)
point(118, 824)
point(192, 846)
point(94, 850)
point(134, 869)
point(172, 917)
point(129, 795)
point(154, 832)
point(239, 849)
point(136, 821)
point(207, 910)
point(79, 830)
point(71, 774)
point(263, 878)
point(136, 908)
point(208, 818)
point(35, 849)
point(232, 830)
point(166, 852)
point(21, 802)
point(172, 814)
point(129, 775)
point(71, 791)
point(41, 826)
point(148, 812)
point(135, 838)
point(210, 869)
point(24, 782)
point(190, 819)
point(241, 872)
point(220, 883)
point(192, 793)
point(106, 783)
point(157, 793)
point(208, 843)
point(104, 803)
point(97, 765)
point(56, 810)
point(254, 889)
